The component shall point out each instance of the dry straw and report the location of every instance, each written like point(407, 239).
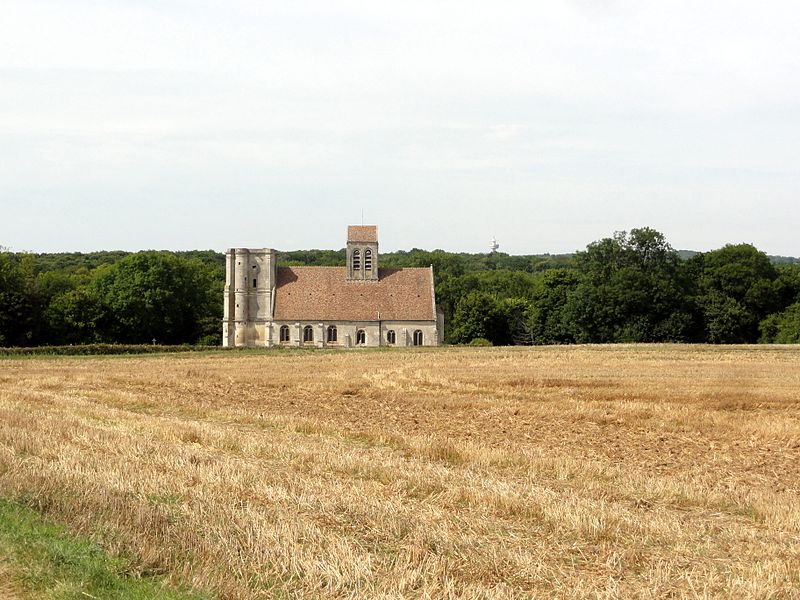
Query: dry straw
point(570, 472)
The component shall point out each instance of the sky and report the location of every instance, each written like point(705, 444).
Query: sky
point(192, 124)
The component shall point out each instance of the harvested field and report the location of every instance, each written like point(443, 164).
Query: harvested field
point(574, 472)
point(7, 589)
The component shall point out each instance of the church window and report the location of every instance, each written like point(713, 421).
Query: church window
point(356, 260)
point(254, 281)
point(308, 333)
point(332, 333)
point(391, 337)
point(418, 337)
point(361, 337)
point(367, 259)
point(284, 333)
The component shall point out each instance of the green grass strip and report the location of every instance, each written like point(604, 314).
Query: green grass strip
point(45, 561)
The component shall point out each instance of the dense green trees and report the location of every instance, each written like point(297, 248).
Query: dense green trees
point(549, 319)
point(738, 290)
point(13, 302)
point(74, 317)
point(156, 295)
point(631, 290)
point(783, 327)
point(630, 287)
point(478, 315)
point(134, 299)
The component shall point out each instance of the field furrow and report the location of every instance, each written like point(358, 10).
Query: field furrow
point(647, 471)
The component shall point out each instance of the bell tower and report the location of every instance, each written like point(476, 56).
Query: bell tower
point(362, 253)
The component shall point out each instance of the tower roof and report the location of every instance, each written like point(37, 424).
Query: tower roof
point(362, 233)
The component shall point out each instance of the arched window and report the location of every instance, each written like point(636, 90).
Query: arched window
point(391, 337)
point(284, 333)
point(356, 260)
point(361, 337)
point(418, 337)
point(332, 333)
point(368, 260)
point(308, 333)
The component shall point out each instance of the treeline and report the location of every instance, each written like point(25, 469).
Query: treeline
point(119, 298)
point(631, 287)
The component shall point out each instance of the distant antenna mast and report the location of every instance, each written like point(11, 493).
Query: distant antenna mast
point(362, 217)
point(494, 245)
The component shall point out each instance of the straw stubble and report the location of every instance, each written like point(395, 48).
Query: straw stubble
point(647, 471)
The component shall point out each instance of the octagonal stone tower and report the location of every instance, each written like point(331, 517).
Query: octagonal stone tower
point(249, 296)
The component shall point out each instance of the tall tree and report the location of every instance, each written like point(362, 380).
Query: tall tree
point(480, 315)
point(13, 302)
point(738, 289)
point(783, 327)
point(631, 291)
point(548, 322)
point(74, 317)
point(156, 295)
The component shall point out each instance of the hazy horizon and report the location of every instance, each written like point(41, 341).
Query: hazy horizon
point(342, 249)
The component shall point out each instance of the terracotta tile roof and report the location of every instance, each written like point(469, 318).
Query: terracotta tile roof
point(362, 233)
point(324, 294)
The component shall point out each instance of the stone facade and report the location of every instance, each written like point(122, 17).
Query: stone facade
point(356, 305)
point(250, 276)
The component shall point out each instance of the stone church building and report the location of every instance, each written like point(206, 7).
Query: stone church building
point(359, 304)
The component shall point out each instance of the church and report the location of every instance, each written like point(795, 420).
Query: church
point(359, 304)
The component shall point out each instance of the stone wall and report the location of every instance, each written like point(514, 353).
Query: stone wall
point(375, 333)
point(248, 295)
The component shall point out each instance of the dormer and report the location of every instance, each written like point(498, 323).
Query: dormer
point(362, 253)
